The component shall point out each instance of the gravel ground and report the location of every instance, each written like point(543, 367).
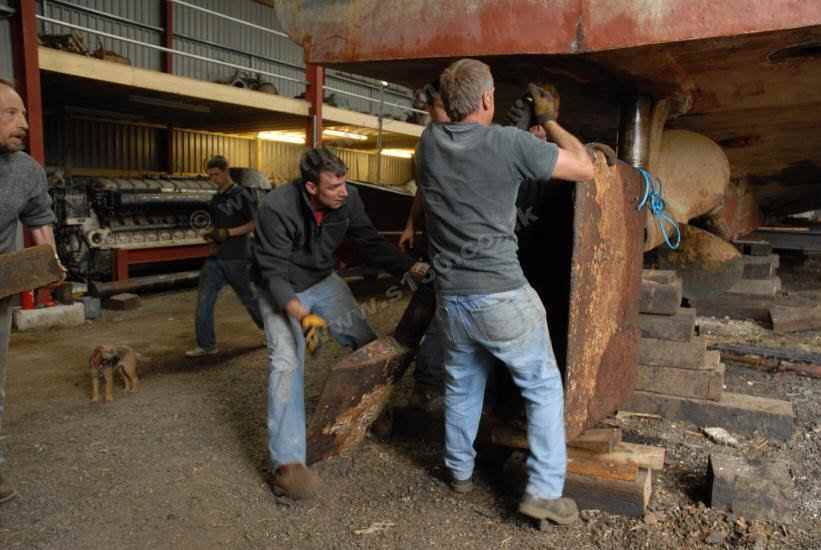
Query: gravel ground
point(183, 463)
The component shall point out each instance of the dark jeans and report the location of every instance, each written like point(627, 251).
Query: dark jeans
point(214, 275)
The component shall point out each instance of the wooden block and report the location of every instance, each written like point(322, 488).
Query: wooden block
point(697, 383)
point(757, 287)
point(678, 327)
point(660, 276)
point(594, 466)
point(735, 412)
point(755, 490)
point(666, 353)
point(760, 267)
point(28, 269)
point(643, 456)
point(794, 319)
point(629, 498)
point(121, 302)
point(600, 440)
point(754, 248)
point(660, 298)
point(712, 359)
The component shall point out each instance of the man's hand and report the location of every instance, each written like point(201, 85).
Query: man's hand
point(520, 113)
point(63, 274)
point(419, 270)
point(312, 327)
point(406, 239)
point(217, 235)
point(545, 102)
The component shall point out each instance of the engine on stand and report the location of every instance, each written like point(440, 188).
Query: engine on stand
point(96, 216)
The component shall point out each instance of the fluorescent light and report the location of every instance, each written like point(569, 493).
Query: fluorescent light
point(286, 137)
point(398, 153)
point(347, 135)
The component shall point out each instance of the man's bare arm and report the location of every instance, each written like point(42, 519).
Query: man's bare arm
point(573, 162)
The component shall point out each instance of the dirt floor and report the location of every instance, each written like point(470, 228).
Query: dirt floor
point(183, 463)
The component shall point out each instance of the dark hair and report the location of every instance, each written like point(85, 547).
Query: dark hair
point(217, 161)
point(8, 83)
point(319, 160)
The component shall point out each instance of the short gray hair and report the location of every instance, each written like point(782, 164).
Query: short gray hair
point(462, 85)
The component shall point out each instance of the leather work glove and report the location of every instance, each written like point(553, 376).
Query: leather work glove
point(545, 102)
point(520, 113)
point(312, 327)
point(218, 235)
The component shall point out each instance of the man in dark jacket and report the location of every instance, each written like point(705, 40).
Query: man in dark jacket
point(232, 214)
point(299, 227)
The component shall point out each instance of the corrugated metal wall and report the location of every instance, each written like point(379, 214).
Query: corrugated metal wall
point(82, 144)
point(209, 36)
point(6, 60)
point(192, 150)
point(142, 11)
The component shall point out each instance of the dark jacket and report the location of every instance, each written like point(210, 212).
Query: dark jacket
point(292, 253)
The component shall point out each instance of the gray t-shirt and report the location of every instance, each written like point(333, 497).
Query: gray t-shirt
point(23, 196)
point(469, 175)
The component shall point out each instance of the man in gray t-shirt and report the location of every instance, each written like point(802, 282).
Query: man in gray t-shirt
point(469, 172)
point(25, 198)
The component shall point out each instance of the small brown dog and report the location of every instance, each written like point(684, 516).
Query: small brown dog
point(107, 359)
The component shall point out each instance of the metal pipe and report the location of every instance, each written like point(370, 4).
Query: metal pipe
point(634, 130)
point(107, 15)
point(380, 100)
point(379, 134)
point(169, 50)
point(229, 18)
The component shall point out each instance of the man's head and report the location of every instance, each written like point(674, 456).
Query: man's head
point(323, 174)
point(430, 99)
point(13, 124)
point(217, 169)
point(467, 90)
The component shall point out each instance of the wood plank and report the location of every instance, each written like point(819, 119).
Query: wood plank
point(660, 298)
point(754, 248)
point(679, 327)
point(795, 319)
point(697, 383)
point(629, 498)
point(600, 440)
point(28, 269)
point(666, 353)
point(643, 456)
point(740, 413)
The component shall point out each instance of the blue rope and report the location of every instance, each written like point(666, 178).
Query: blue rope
point(652, 197)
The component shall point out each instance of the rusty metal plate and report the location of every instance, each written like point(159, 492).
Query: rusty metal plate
point(603, 328)
point(380, 30)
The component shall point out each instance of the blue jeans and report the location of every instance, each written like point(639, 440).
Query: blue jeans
point(332, 300)
point(511, 327)
point(215, 274)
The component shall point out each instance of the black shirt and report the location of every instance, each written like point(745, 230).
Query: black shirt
point(292, 252)
point(231, 208)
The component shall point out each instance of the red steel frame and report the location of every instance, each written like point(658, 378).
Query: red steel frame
point(314, 93)
point(126, 257)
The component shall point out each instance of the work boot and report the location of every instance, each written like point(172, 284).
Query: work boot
point(200, 352)
point(7, 490)
point(295, 481)
point(461, 486)
point(557, 510)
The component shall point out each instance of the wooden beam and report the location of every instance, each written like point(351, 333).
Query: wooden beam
point(599, 440)
point(31, 268)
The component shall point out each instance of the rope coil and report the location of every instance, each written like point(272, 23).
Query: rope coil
point(652, 198)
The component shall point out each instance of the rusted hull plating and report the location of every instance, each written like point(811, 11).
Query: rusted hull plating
point(603, 330)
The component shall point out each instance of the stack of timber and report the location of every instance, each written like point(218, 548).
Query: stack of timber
point(760, 265)
point(680, 380)
point(603, 472)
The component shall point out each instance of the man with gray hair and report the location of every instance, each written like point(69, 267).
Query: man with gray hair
point(469, 173)
point(24, 189)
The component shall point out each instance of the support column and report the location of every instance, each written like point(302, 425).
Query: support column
point(168, 36)
point(27, 73)
point(315, 94)
point(634, 130)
